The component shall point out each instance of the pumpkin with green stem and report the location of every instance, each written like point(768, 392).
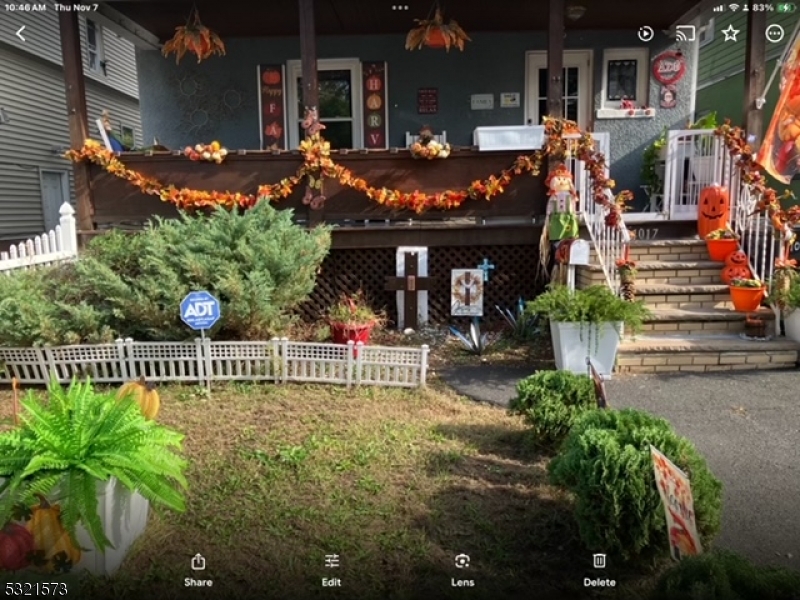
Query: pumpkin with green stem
point(145, 395)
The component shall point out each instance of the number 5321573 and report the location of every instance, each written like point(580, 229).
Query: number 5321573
point(35, 590)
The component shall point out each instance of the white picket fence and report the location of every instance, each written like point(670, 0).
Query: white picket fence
point(205, 361)
point(56, 246)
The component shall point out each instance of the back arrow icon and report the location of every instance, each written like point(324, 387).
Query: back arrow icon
point(19, 33)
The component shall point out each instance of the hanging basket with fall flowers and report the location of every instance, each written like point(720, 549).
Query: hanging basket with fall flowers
point(196, 38)
point(435, 33)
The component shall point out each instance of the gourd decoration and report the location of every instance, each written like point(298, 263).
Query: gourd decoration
point(713, 209)
point(16, 545)
point(145, 395)
point(50, 537)
point(736, 267)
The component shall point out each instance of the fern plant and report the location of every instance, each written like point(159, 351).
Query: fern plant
point(80, 437)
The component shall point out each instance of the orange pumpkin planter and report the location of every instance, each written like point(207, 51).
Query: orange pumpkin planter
point(720, 250)
point(713, 209)
point(736, 267)
point(435, 38)
point(747, 299)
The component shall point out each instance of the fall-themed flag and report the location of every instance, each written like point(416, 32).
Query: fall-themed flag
point(780, 152)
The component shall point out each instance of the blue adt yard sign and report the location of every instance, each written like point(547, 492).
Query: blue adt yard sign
point(200, 310)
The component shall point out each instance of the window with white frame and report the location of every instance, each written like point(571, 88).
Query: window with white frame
point(94, 46)
point(705, 35)
point(624, 78)
point(340, 106)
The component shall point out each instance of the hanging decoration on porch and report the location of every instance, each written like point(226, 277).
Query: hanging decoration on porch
point(435, 33)
point(317, 163)
point(626, 268)
point(196, 38)
point(669, 67)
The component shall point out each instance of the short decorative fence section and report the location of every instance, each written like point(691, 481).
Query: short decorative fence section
point(204, 361)
point(56, 246)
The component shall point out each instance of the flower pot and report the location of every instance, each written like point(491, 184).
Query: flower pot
point(574, 342)
point(343, 333)
point(703, 168)
point(123, 515)
point(719, 250)
point(435, 38)
point(792, 325)
point(747, 299)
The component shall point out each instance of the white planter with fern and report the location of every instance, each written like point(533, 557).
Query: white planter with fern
point(573, 343)
point(792, 324)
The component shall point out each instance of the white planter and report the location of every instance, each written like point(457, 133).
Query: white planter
point(792, 325)
point(573, 343)
point(703, 169)
point(124, 518)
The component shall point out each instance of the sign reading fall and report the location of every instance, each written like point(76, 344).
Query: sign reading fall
point(273, 117)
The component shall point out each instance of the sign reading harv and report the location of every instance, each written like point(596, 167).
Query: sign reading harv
point(200, 310)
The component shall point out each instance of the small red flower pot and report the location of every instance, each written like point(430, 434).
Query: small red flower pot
point(719, 250)
point(747, 299)
point(344, 332)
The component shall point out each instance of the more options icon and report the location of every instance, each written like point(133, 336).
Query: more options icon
point(646, 33)
point(774, 33)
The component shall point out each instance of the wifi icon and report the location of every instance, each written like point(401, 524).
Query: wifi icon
point(733, 7)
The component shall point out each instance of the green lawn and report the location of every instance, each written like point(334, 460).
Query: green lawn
point(396, 482)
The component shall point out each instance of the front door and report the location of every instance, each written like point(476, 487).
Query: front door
point(577, 88)
point(54, 194)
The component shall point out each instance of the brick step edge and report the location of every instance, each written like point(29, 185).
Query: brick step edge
point(707, 344)
point(703, 315)
point(705, 362)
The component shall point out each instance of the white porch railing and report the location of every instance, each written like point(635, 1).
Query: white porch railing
point(697, 158)
point(609, 242)
point(56, 246)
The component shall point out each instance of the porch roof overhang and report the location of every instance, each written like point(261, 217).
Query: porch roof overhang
point(362, 17)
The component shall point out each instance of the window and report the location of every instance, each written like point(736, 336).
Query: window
point(576, 91)
point(624, 77)
point(94, 46)
point(340, 107)
point(706, 33)
point(127, 136)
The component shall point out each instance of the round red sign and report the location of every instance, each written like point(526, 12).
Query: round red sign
point(669, 68)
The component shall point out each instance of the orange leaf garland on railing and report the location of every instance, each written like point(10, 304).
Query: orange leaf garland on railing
point(317, 163)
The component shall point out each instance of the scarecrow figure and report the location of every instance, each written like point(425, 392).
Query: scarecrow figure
point(561, 221)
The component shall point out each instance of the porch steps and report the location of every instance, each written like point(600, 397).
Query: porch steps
point(693, 326)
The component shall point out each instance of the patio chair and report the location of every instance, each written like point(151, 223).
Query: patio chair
point(412, 137)
point(111, 142)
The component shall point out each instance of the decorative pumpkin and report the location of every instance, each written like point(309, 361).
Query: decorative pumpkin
point(713, 209)
point(16, 543)
point(145, 395)
point(51, 538)
point(736, 267)
point(271, 77)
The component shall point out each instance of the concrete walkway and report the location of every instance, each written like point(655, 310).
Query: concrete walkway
point(747, 425)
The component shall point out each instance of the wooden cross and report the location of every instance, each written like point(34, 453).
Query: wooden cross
point(467, 286)
point(410, 284)
point(486, 266)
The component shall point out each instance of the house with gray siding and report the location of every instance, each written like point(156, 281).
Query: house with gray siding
point(35, 179)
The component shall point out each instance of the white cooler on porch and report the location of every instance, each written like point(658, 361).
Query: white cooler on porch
point(509, 137)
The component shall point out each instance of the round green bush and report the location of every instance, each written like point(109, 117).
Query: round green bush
point(551, 401)
point(722, 575)
point(605, 461)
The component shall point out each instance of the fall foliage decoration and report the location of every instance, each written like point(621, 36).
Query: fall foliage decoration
point(318, 165)
point(50, 537)
point(145, 395)
point(435, 33)
point(213, 152)
point(16, 544)
point(196, 38)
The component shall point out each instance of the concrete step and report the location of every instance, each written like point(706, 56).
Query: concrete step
point(664, 295)
point(724, 352)
point(698, 321)
point(664, 250)
point(678, 272)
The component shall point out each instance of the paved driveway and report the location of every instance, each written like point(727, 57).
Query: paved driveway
point(747, 425)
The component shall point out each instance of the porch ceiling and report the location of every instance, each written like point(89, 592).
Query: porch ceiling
point(353, 17)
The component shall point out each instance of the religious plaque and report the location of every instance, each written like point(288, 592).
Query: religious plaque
point(427, 101)
point(466, 293)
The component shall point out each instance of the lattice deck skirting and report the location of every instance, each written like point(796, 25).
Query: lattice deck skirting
point(201, 361)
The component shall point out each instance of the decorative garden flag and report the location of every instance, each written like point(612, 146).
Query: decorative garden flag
point(376, 122)
point(466, 293)
point(780, 152)
point(273, 105)
point(676, 494)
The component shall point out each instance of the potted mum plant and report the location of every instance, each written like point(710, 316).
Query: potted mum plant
point(78, 474)
point(721, 243)
point(352, 319)
point(587, 324)
point(747, 294)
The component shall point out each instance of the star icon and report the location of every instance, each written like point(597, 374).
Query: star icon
point(730, 34)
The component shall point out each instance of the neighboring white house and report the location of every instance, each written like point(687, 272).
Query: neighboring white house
point(35, 179)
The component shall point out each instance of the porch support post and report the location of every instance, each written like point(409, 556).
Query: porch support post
point(555, 60)
point(308, 54)
point(755, 73)
point(71, 56)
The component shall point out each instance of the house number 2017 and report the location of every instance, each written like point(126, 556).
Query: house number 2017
point(646, 233)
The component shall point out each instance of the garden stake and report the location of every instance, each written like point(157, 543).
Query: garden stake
point(15, 388)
